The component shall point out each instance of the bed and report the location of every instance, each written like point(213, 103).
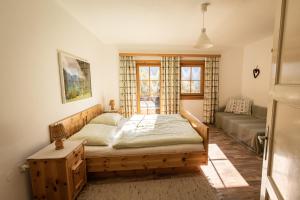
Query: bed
point(107, 159)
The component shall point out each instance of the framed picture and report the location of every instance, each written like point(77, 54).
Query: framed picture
point(75, 77)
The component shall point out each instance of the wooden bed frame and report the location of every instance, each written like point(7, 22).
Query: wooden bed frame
point(114, 164)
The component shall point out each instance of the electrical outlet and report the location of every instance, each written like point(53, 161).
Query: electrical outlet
point(24, 167)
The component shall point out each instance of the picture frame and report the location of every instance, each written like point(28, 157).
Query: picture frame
point(75, 77)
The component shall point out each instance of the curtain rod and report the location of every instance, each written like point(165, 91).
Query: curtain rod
point(163, 54)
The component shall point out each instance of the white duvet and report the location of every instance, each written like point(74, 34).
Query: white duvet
point(155, 130)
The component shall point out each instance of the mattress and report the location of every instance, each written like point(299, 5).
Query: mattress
point(106, 151)
point(156, 130)
point(109, 151)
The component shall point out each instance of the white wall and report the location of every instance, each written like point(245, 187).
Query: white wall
point(230, 74)
point(31, 33)
point(193, 106)
point(257, 53)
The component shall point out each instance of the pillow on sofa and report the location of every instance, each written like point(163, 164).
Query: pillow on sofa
point(231, 105)
point(239, 105)
point(95, 134)
point(111, 119)
point(243, 106)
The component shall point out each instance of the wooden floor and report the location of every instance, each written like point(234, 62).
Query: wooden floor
point(233, 170)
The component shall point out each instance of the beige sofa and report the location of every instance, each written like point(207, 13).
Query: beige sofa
point(244, 128)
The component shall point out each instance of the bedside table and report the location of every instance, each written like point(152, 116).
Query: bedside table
point(58, 174)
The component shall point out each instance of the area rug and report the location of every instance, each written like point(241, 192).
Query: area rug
point(173, 187)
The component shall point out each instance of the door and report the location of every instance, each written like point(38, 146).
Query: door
point(281, 165)
point(148, 83)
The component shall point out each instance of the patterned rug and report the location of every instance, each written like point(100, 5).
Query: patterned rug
point(174, 187)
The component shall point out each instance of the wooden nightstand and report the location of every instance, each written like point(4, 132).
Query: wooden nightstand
point(58, 174)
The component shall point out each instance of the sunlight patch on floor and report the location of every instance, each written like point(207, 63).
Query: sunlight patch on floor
point(213, 177)
point(215, 153)
point(220, 172)
point(229, 174)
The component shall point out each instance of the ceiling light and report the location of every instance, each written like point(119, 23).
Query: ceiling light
point(203, 40)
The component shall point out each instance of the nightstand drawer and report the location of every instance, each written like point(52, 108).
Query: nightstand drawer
point(76, 156)
point(78, 175)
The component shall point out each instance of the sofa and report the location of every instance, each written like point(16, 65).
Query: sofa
point(244, 128)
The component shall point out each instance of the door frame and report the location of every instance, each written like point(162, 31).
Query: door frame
point(145, 63)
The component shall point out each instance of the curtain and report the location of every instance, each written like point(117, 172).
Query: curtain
point(170, 85)
point(211, 89)
point(128, 87)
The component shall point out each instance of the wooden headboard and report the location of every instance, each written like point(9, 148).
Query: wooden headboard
point(74, 123)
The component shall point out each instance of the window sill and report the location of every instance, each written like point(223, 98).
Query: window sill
point(191, 97)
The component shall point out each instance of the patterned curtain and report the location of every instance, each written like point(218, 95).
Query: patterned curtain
point(170, 85)
point(128, 86)
point(211, 89)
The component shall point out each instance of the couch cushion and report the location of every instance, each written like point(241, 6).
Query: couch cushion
point(219, 118)
point(248, 133)
point(222, 119)
point(259, 112)
point(244, 128)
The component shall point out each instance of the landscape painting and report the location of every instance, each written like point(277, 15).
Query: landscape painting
point(75, 78)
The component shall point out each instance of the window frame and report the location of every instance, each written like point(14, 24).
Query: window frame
point(191, 96)
point(141, 63)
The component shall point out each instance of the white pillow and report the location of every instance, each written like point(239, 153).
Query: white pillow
point(231, 105)
point(112, 119)
point(243, 106)
point(95, 134)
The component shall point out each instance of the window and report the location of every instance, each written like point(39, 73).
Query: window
point(148, 83)
point(192, 80)
point(148, 78)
